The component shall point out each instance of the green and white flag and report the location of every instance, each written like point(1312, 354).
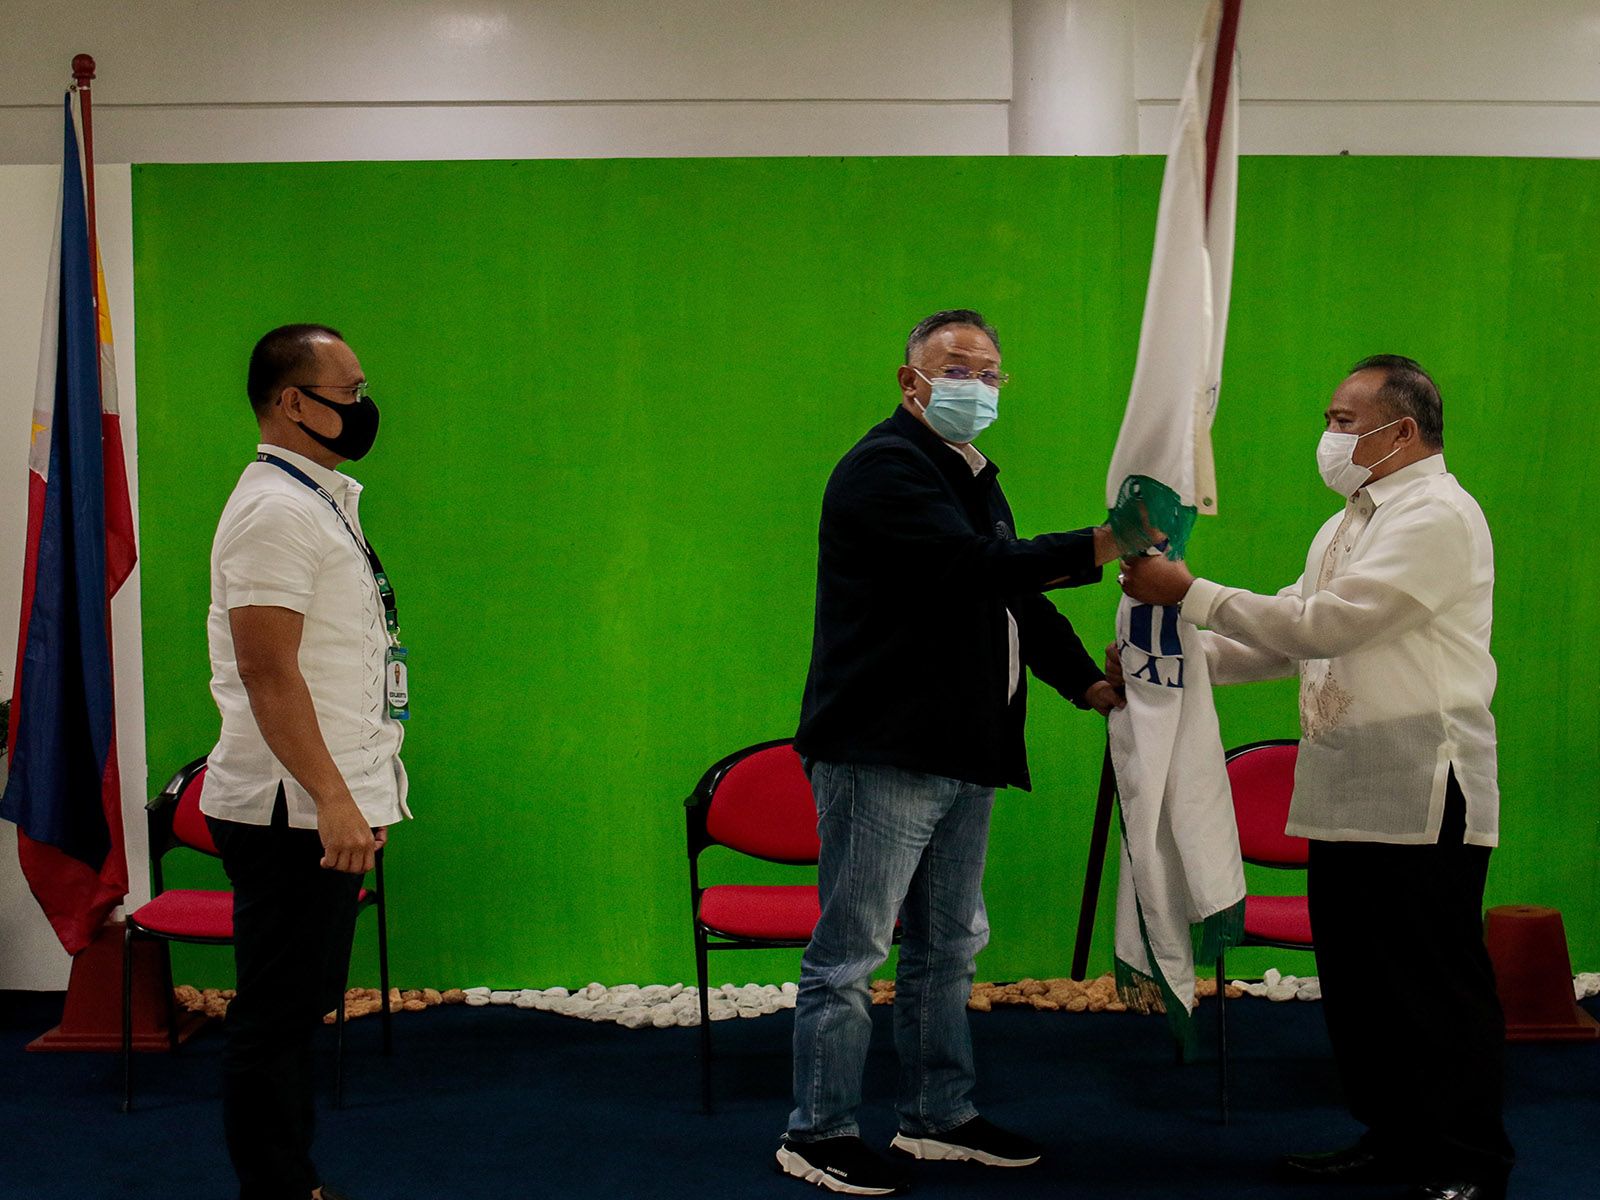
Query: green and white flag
point(1181, 891)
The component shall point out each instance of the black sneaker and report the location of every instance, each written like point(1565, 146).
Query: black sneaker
point(840, 1164)
point(975, 1141)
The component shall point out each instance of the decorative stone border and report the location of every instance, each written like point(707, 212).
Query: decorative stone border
point(662, 1006)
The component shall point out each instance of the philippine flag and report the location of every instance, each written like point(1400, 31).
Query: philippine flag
point(63, 791)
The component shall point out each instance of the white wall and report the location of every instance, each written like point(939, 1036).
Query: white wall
point(303, 79)
point(264, 80)
point(30, 956)
point(1502, 77)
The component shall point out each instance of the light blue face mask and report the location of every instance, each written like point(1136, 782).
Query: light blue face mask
point(958, 410)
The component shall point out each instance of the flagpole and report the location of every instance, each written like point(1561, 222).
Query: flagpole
point(1108, 796)
point(82, 74)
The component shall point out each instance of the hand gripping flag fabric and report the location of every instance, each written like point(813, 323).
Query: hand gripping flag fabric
point(62, 790)
point(1181, 890)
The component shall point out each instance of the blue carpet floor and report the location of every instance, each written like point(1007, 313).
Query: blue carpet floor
point(499, 1102)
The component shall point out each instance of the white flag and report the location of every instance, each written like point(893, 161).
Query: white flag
point(1181, 890)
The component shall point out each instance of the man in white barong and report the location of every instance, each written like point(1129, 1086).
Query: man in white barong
point(1395, 783)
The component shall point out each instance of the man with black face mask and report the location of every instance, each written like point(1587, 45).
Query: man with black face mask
point(309, 675)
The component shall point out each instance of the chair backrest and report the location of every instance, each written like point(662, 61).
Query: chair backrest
point(189, 826)
point(175, 816)
point(1261, 776)
point(758, 801)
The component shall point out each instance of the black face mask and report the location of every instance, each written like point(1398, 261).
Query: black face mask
point(359, 431)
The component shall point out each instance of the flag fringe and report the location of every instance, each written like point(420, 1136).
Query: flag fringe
point(1222, 930)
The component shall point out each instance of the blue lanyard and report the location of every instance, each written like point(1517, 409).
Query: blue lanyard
point(391, 611)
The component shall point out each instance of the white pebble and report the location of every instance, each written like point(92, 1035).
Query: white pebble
point(1281, 991)
point(1273, 977)
point(1309, 989)
point(659, 1005)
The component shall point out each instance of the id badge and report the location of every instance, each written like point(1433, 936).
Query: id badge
point(395, 684)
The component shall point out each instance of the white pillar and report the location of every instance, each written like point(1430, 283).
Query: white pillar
point(1072, 77)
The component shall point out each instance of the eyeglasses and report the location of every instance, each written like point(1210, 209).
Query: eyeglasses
point(358, 391)
point(995, 379)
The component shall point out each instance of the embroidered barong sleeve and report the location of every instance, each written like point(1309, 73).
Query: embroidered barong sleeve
point(1419, 568)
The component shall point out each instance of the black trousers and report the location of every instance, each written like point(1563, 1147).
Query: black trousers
point(1409, 996)
point(292, 926)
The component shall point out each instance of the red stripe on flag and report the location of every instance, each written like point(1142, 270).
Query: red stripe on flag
point(1221, 75)
point(121, 551)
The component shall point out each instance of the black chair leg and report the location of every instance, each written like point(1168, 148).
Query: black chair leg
point(702, 970)
point(172, 999)
point(338, 1053)
point(383, 957)
point(1222, 1036)
point(127, 1018)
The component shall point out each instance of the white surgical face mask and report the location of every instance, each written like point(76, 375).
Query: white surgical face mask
point(959, 410)
point(1336, 460)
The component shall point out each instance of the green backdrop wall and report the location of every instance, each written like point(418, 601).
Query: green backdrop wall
point(612, 392)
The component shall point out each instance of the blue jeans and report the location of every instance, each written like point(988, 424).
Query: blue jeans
point(894, 843)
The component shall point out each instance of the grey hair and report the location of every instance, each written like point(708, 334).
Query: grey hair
point(951, 316)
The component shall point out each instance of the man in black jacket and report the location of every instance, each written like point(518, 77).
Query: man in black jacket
point(928, 608)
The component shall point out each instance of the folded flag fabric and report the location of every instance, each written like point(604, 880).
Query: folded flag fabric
point(1181, 890)
point(62, 788)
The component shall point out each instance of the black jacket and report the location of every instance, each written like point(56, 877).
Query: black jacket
point(917, 563)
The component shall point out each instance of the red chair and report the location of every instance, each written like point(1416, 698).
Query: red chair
point(1261, 776)
point(756, 801)
point(206, 917)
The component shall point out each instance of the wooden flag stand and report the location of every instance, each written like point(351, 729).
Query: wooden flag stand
point(92, 1016)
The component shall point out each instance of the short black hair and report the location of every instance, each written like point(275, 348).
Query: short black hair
point(1409, 391)
point(950, 316)
point(282, 352)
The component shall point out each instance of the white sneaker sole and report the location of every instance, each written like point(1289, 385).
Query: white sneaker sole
point(794, 1164)
point(933, 1150)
